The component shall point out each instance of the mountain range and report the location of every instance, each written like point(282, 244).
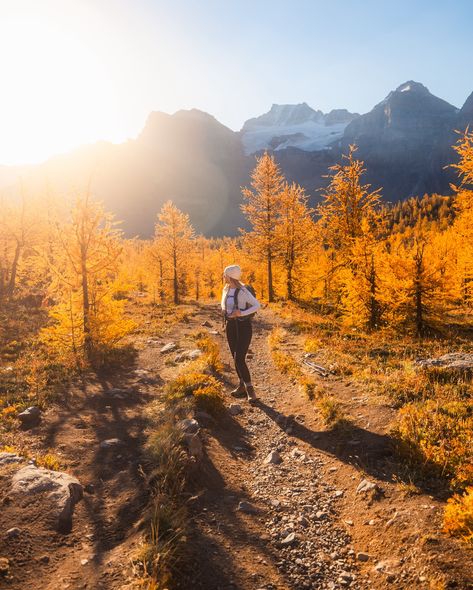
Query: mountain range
point(191, 158)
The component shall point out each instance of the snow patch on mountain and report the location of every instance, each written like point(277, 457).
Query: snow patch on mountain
point(297, 126)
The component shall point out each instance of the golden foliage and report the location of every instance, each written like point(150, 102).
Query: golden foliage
point(458, 516)
point(439, 436)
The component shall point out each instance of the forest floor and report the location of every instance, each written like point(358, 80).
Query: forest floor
point(305, 524)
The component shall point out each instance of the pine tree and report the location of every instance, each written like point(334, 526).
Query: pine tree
point(263, 210)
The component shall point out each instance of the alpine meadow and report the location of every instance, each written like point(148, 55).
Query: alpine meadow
point(235, 360)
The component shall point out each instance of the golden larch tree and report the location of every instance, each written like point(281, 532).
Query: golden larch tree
point(263, 210)
point(84, 262)
point(295, 233)
point(173, 235)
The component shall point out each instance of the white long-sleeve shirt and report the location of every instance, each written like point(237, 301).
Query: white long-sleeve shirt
point(247, 303)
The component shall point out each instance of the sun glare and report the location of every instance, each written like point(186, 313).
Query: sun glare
point(56, 90)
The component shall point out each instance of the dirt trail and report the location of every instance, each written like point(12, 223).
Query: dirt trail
point(308, 524)
point(381, 539)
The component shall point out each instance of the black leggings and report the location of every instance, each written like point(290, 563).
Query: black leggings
point(239, 335)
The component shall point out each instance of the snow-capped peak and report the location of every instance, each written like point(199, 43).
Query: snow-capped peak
point(294, 125)
point(411, 86)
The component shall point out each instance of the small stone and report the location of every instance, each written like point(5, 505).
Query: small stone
point(235, 409)
point(206, 324)
point(302, 520)
point(321, 515)
point(90, 488)
point(84, 561)
point(30, 417)
point(289, 539)
point(204, 418)
point(169, 347)
point(349, 522)
point(346, 577)
point(44, 559)
point(13, 533)
point(365, 486)
point(338, 493)
point(362, 556)
point(246, 507)
point(109, 443)
point(274, 457)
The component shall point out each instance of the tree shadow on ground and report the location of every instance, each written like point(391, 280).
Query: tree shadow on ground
point(214, 524)
point(106, 406)
point(374, 453)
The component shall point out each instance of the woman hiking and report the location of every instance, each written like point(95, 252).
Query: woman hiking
point(238, 306)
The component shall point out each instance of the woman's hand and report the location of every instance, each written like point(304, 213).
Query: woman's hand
point(236, 313)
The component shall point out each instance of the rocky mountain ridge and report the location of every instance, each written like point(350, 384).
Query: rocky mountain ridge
point(191, 158)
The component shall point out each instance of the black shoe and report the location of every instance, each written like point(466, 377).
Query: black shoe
point(240, 391)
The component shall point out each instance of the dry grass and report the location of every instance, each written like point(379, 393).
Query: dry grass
point(197, 386)
point(331, 411)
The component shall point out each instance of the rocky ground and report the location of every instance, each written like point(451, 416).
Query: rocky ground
point(277, 502)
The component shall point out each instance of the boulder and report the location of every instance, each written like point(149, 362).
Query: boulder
point(30, 417)
point(61, 489)
point(461, 362)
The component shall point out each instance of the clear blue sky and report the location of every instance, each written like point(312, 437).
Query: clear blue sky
point(74, 71)
point(331, 54)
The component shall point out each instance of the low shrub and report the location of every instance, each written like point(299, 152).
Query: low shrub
point(438, 437)
point(458, 517)
point(331, 411)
